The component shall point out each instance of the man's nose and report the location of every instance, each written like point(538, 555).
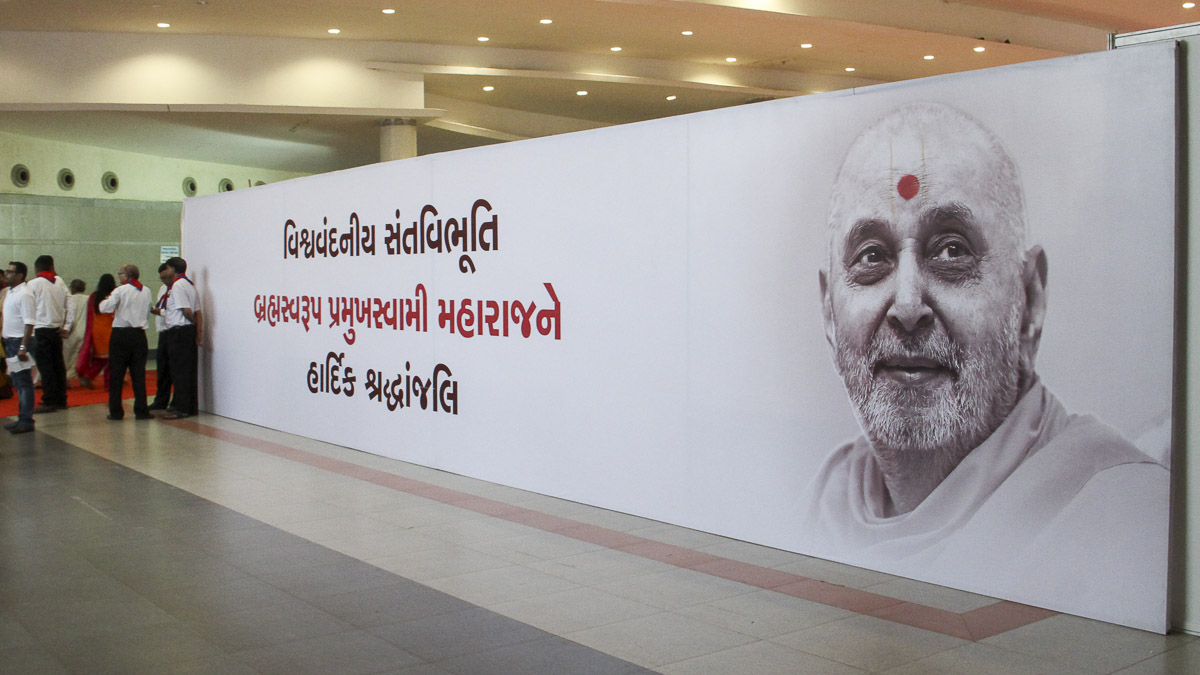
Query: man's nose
point(910, 311)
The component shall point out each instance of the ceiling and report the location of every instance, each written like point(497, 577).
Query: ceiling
point(536, 68)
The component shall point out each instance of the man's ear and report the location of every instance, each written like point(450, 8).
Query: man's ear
point(1034, 280)
point(826, 306)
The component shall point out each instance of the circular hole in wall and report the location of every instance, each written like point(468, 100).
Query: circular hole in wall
point(66, 179)
point(225, 185)
point(189, 187)
point(20, 175)
point(109, 182)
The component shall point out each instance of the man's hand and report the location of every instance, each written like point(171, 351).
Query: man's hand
point(63, 332)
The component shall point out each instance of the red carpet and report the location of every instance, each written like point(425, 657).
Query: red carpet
point(77, 395)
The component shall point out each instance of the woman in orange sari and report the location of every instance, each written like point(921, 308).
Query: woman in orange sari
point(93, 356)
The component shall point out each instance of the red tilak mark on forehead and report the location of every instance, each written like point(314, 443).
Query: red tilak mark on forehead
point(909, 186)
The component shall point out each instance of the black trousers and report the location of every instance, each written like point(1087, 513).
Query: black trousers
point(127, 351)
point(162, 363)
point(51, 366)
point(182, 353)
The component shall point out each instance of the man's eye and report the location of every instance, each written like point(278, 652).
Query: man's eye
point(950, 250)
point(872, 255)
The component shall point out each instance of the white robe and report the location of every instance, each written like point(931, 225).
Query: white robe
point(1053, 509)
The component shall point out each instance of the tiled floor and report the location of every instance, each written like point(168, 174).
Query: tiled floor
point(208, 545)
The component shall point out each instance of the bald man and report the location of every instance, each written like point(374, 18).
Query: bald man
point(969, 471)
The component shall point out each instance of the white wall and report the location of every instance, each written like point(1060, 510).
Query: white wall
point(140, 177)
point(692, 382)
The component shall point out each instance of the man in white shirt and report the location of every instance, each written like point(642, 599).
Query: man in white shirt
point(130, 306)
point(50, 299)
point(17, 332)
point(183, 323)
point(75, 326)
point(162, 356)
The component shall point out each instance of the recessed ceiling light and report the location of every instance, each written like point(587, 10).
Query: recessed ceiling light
point(614, 49)
point(1189, 5)
point(687, 32)
point(546, 22)
point(672, 97)
point(806, 45)
point(850, 69)
point(489, 88)
point(929, 57)
point(981, 49)
point(731, 59)
point(389, 11)
point(334, 31)
point(164, 25)
point(483, 38)
point(581, 93)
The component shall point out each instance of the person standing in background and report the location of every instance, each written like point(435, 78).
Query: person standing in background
point(50, 299)
point(162, 358)
point(130, 306)
point(183, 320)
point(17, 331)
point(93, 357)
point(77, 319)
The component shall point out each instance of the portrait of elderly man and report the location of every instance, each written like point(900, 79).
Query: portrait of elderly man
point(969, 471)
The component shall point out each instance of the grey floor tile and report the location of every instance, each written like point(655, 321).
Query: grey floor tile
point(659, 639)
point(1182, 660)
point(219, 539)
point(458, 633)
point(317, 580)
point(219, 599)
point(547, 656)
point(12, 633)
point(144, 649)
point(30, 661)
point(215, 665)
point(270, 559)
point(56, 620)
point(869, 643)
point(46, 588)
point(981, 659)
point(265, 626)
point(1087, 644)
point(386, 605)
point(760, 658)
point(351, 653)
point(419, 669)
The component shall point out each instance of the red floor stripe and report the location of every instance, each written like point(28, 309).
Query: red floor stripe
point(976, 624)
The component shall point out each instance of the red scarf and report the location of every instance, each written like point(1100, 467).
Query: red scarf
point(48, 276)
point(136, 284)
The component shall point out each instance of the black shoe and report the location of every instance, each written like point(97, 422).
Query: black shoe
point(158, 406)
point(175, 415)
point(44, 409)
point(21, 429)
point(114, 418)
point(10, 425)
point(143, 416)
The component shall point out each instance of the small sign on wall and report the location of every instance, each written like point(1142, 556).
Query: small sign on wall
point(165, 253)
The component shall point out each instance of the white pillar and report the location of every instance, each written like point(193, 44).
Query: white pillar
point(397, 139)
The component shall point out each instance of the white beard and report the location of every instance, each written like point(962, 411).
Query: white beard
point(934, 427)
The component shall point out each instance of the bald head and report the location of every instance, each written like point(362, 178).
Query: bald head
point(927, 154)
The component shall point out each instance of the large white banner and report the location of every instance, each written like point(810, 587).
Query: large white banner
point(924, 328)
